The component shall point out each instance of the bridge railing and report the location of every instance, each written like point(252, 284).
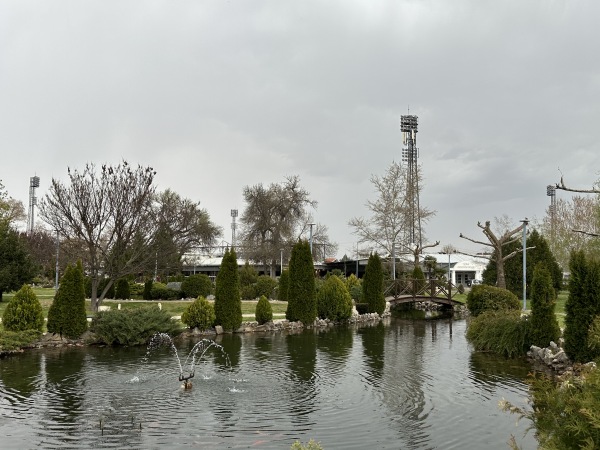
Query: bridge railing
point(420, 288)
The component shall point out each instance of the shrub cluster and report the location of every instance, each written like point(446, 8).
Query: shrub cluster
point(333, 300)
point(67, 315)
point(499, 331)
point(485, 298)
point(228, 304)
point(354, 286)
point(160, 291)
point(23, 312)
point(132, 326)
point(263, 312)
point(200, 314)
point(195, 286)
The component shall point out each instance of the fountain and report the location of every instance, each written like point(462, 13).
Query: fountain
point(195, 355)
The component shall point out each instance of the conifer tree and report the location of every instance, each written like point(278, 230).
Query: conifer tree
point(122, 290)
point(372, 285)
point(302, 299)
point(543, 326)
point(284, 285)
point(579, 308)
point(24, 312)
point(66, 315)
point(228, 304)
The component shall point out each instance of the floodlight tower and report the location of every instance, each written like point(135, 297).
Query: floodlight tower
point(34, 182)
point(551, 192)
point(410, 154)
point(234, 214)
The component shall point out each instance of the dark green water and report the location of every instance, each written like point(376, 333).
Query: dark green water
point(398, 385)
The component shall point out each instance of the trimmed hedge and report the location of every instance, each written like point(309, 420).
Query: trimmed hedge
point(499, 331)
point(195, 286)
point(23, 312)
point(265, 285)
point(200, 314)
point(490, 298)
point(333, 300)
point(263, 312)
point(134, 326)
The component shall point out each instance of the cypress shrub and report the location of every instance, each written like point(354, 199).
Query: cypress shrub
point(580, 307)
point(333, 300)
point(419, 280)
point(284, 285)
point(543, 326)
point(372, 285)
point(302, 301)
point(122, 291)
point(195, 286)
point(147, 295)
point(265, 285)
point(485, 298)
point(353, 285)
point(228, 304)
point(134, 326)
point(66, 315)
point(499, 331)
point(200, 314)
point(263, 312)
point(248, 277)
point(23, 312)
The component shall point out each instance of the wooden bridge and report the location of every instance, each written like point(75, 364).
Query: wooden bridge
point(413, 290)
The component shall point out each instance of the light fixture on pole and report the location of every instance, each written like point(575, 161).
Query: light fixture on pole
point(393, 260)
point(234, 214)
point(311, 225)
point(525, 222)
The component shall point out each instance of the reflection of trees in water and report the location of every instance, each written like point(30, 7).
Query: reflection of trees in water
point(19, 374)
point(400, 380)
point(65, 383)
point(302, 360)
point(488, 370)
point(232, 344)
point(336, 343)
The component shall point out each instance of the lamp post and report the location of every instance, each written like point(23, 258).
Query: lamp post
point(281, 271)
point(311, 225)
point(393, 260)
point(57, 249)
point(525, 222)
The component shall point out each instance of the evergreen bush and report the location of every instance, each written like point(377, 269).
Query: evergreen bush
point(263, 312)
point(543, 326)
point(195, 286)
point(134, 326)
point(248, 292)
point(11, 341)
point(247, 278)
point(102, 285)
point(265, 285)
point(333, 300)
point(362, 308)
point(302, 301)
point(419, 282)
point(228, 304)
point(67, 315)
point(122, 291)
point(499, 331)
point(581, 307)
point(200, 314)
point(284, 285)
point(160, 291)
point(485, 298)
point(147, 295)
point(372, 285)
point(23, 312)
point(354, 286)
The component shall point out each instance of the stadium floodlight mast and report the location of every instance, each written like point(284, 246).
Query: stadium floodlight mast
point(34, 182)
point(551, 192)
point(409, 126)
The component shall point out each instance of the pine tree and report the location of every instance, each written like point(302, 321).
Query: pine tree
point(66, 315)
point(122, 291)
point(372, 285)
point(543, 326)
point(302, 299)
point(23, 312)
point(228, 303)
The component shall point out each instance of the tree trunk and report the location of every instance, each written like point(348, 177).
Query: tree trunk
point(500, 276)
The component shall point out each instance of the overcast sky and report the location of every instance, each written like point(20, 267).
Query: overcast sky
point(220, 94)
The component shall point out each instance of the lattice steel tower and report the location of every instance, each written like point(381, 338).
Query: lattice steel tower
point(410, 154)
point(34, 182)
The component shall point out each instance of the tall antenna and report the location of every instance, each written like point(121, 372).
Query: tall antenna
point(409, 125)
point(234, 214)
point(34, 182)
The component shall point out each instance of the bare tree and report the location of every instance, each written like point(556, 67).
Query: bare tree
point(323, 247)
point(271, 217)
point(497, 243)
point(391, 214)
point(116, 216)
point(11, 210)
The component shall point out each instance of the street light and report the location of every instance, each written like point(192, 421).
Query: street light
point(525, 222)
point(311, 236)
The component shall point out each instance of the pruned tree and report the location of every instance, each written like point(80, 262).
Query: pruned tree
point(113, 213)
point(498, 243)
point(391, 214)
point(271, 219)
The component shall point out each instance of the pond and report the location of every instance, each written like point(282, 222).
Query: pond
point(399, 384)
